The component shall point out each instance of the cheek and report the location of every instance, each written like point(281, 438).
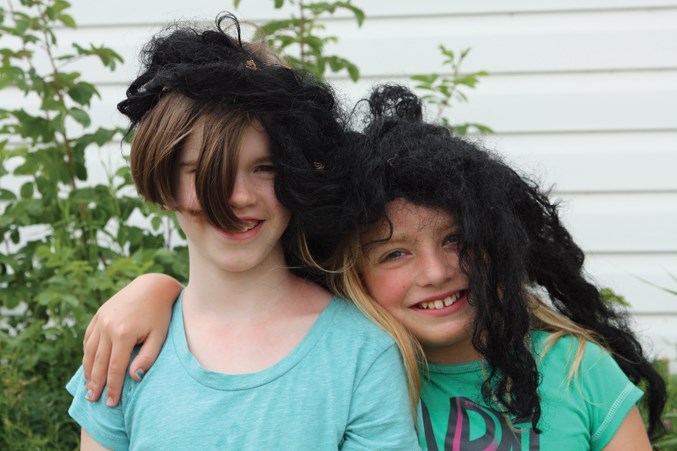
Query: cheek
point(186, 198)
point(388, 288)
point(280, 211)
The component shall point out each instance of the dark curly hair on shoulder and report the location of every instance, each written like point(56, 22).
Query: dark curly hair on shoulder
point(513, 243)
point(188, 74)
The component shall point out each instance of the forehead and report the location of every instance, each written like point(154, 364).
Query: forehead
point(255, 142)
point(190, 151)
point(408, 221)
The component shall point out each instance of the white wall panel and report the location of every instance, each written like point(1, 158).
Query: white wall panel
point(623, 223)
point(632, 275)
point(658, 334)
point(160, 11)
point(594, 162)
point(582, 93)
point(513, 44)
point(547, 103)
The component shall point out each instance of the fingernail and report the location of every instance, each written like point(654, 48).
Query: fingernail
point(109, 401)
point(89, 395)
point(140, 374)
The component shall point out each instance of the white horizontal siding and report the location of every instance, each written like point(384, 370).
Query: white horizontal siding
point(595, 162)
point(582, 95)
point(503, 44)
point(161, 11)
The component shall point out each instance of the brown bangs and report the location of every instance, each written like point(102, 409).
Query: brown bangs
point(216, 169)
point(156, 145)
point(160, 137)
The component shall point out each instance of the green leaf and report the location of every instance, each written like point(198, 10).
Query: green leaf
point(425, 78)
point(274, 26)
point(357, 12)
point(334, 63)
point(27, 190)
point(609, 296)
point(80, 170)
point(278, 4)
point(468, 80)
point(109, 58)
point(353, 71)
point(67, 21)
point(80, 116)
point(6, 194)
point(10, 75)
point(82, 92)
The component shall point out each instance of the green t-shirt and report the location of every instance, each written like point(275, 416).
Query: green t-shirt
point(580, 414)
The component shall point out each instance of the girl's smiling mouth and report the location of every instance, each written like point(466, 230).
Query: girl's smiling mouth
point(443, 304)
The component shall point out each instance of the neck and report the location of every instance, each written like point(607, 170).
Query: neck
point(243, 294)
point(452, 355)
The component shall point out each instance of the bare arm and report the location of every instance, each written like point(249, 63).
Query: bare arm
point(87, 443)
point(631, 434)
point(139, 313)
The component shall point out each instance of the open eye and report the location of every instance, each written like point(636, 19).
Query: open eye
point(393, 255)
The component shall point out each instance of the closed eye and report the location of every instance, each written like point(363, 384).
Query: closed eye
point(453, 240)
point(265, 168)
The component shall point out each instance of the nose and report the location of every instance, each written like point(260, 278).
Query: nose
point(243, 194)
point(434, 268)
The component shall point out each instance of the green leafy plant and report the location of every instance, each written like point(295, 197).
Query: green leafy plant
point(301, 40)
point(669, 418)
point(67, 243)
point(440, 91)
point(669, 440)
point(672, 291)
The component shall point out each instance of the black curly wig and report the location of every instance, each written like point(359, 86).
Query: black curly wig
point(513, 243)
point(221, 75)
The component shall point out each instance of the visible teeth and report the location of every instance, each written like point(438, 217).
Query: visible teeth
point(440, 303)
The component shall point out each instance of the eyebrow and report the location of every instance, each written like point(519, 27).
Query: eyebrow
point(397, 238)
point(263, 159)
point(381, 242)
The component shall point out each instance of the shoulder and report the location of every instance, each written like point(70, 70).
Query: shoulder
point(598, 389)
point(354, 342)
point(349, 320)
point(104, 424)
point(564, 350)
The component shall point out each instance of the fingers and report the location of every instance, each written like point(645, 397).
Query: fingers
point(90, 345)
point(119, 359)
point(146, 357)
point(97, 379)
point(91, 327)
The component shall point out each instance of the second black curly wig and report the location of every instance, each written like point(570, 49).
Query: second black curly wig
point(513, 242)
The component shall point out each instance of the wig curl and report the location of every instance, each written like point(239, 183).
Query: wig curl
point(513, 244)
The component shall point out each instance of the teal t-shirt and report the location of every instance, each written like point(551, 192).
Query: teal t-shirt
point(342, 387)
point(578, 414)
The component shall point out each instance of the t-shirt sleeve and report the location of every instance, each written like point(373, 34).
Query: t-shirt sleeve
point(380, 416)
point(610, 393)
point(104, 424)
